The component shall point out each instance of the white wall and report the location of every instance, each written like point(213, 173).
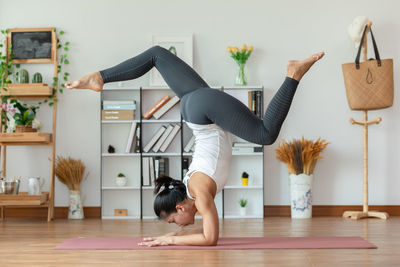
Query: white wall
point(103, 33)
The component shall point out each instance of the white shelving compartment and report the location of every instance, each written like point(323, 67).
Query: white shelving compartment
point(252, 163)
point(150, 96)
point(116, 133)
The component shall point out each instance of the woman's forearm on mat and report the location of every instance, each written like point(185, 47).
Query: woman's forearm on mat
point(189, 232)
point(192, 240)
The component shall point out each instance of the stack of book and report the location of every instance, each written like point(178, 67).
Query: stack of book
point(162, 138)
point(133, 139)
point(256, 103)
point(118, 110)
point(245, 147)
point(153, 167)
point(161, 107)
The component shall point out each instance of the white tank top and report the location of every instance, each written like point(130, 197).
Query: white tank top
point(212, 154)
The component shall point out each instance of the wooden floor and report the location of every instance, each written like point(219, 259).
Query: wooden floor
point(30, 242)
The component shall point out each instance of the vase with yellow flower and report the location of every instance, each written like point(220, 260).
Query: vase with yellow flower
point(240, 56)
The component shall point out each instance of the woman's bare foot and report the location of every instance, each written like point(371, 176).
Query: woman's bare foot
point(92, 81)
point(297, 68)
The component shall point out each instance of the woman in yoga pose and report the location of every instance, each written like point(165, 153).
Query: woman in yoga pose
point(211, 114)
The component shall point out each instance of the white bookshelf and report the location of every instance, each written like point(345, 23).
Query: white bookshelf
point(138, 199)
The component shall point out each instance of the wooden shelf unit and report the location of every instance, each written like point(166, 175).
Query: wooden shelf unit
point(28, 92)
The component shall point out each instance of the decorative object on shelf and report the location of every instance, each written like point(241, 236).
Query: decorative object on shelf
point(71, 173)
point(35, 185)
point(121, 179)
point(10, 186)
point(37, 124)
point(22, 76)
point(240, 56)
point(245, 179)
point(37, 78)
point(23, 118)
point(181, 46)
point(243, 206)
point(111, 149)
point(300, 157)
point(120, 212)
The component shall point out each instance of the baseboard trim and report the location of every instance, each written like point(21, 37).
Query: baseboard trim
point(329, 210)
point(41, 212)
point(269, 211)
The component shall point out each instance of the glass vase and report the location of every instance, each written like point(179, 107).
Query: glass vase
point(241, 77)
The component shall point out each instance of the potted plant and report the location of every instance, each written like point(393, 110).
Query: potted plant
point(300, 157)
point(24, 118)
point(121, 179)
point(245, 179)
point(243, 206)
point(70, 172)
point(240, 56)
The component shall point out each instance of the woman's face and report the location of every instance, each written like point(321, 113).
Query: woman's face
point(182, 217)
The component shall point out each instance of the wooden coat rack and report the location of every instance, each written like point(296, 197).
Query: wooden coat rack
point(365, 213)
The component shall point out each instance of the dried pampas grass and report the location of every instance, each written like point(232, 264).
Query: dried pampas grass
point(300, 156)
point(70, 172)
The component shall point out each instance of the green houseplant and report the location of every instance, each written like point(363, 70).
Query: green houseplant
point(121, 179)
point(243, 206)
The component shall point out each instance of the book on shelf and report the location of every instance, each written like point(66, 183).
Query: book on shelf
point(163, 168)
point(247, 149)
point(167, 106)
point(154, 139)
point(113, 115)
point(190, 144)
point(246, 144)
point(156, 167)
point(170, 137)
point(156, 107)
point(119, 102)
point(146, 171)
point(131, 138)
point(163, 138)
point(255, 103)
point(152, 171)
point(119, 107)
point(136, 140)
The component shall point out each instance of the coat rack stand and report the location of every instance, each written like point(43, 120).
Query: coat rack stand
point(365, 213)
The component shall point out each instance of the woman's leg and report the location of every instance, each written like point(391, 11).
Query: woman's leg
point(232, 115)
point(179, 76)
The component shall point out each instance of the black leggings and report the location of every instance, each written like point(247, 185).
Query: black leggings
point(202, 105)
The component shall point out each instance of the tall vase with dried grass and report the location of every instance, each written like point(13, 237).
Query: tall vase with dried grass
point(71, 173)
point(300, 157)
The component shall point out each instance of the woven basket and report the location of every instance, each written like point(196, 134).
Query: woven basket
point(24, 129)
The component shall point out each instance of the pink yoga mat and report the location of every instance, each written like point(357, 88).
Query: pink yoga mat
point(240, 243)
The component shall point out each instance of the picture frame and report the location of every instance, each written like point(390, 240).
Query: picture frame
point(182, 46)
point(33, 45)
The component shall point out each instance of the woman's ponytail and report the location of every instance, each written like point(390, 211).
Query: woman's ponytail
point(169, 193)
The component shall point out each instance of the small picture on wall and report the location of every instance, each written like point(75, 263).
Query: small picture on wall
point(181, 46)
point(32, 45)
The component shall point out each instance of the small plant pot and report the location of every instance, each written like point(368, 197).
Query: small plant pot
point(245, 181)
point(24, 129)
point(243, 211)
point(301, 195)
point(121, 181)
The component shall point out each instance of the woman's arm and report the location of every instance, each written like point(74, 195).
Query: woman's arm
point(209, 236)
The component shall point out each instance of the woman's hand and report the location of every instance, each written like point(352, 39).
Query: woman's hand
point(157, 241)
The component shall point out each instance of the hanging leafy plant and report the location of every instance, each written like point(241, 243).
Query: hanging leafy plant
point(7, 69)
